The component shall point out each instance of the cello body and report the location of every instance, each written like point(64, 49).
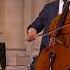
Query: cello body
point(62, 50)
point(62, 59)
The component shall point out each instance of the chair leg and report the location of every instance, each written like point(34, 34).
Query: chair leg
point(3, 56)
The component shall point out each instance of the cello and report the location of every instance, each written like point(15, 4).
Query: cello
point(57, 55)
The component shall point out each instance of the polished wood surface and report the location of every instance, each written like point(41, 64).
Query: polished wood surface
point(62, 50)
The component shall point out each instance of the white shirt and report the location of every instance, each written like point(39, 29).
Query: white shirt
point(61, 2)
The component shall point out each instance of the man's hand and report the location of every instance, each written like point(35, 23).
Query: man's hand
point(31, 34)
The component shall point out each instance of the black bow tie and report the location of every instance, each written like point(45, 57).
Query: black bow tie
point(66, 5)
point(66, 1)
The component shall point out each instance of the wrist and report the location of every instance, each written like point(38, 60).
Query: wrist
point(32, 30)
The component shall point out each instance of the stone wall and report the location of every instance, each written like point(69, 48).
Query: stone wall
point(15, 16)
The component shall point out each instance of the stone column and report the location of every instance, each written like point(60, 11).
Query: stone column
point(14, 34)
point(18, 14)
point(27, 21)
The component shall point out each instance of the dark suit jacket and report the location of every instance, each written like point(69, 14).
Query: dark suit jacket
point(44, 19)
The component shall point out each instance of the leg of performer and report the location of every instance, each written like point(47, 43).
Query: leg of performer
point(32, 66)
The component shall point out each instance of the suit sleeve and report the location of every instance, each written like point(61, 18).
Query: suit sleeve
point(38, 24)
